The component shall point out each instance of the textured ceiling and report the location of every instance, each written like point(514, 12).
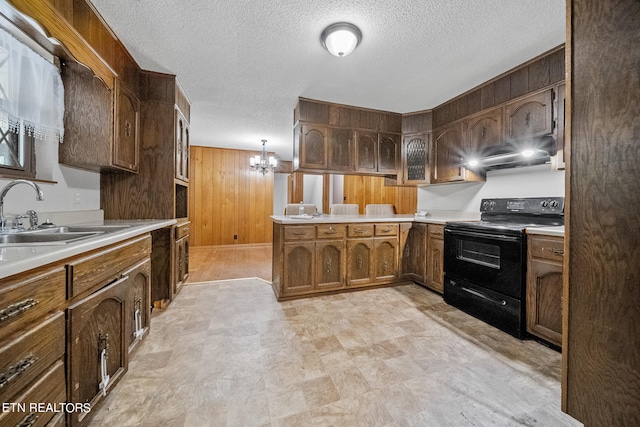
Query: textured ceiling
point(243, 63)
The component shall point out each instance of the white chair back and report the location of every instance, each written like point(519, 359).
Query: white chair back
point(294, 209)
point(379, 210)
point(345, 209)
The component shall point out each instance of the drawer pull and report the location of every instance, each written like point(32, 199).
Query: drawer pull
point(385, 230)
point(103, 346)
point(298, 233)
point(28, 421)
point(16, 370)
point(360, 230)
point(559, 252)
point(137, 316)
point(331, 230)
point(17, 308)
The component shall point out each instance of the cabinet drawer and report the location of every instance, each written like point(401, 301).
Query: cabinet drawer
point(23, 300)
point(93, 270)
point(331, 231)
point(386, 229)
point(307, 232)
point(360, 230)
point(24, 358)
point(182, 230)
point(436, 231)
point(548, 247)
point(47, 389)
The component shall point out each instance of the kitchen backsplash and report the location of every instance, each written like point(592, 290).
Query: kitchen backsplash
point(530, 181)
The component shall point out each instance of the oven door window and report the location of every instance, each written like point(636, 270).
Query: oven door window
point(483, 254)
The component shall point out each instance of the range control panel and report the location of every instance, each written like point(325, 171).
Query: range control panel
point(529, 205)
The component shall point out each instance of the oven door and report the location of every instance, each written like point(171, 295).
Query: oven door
point(493, 259)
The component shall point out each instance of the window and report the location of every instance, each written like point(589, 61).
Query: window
point(31, 105)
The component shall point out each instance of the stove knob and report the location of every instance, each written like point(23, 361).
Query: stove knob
point(555, 204)
point(544, 204)
point(493, 203)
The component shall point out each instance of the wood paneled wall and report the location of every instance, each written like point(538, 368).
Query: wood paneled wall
point(227, 199)
point(601, 346)
point(365, 190)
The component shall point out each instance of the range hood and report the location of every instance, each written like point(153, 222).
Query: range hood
point(514, 154)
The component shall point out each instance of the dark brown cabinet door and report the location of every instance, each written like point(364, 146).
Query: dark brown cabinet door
point(359, 262)
point(340, 149)
point(299, 266)
point(530, 117)
point(96, 345)
point(386, 258)
point(415, 158)
point(388, 153)
point(182, 147)
point(414, 256)
point(330, 262)
point(181, 263)
point(544, 287)
point(313, 147)
point(560, 102)
point(138, 303)
point(126, 128)
point(449, 154)
point(435, 258)
point(366, 151)
point(485, 130)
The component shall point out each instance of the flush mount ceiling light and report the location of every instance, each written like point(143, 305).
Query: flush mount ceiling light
point(341, 38)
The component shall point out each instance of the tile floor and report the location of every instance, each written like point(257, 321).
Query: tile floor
point(228, 354)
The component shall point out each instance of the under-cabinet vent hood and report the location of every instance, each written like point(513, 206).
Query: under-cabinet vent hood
point(513, 154)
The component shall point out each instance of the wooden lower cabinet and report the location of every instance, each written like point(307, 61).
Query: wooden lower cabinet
point(414, 253)
point(544, 287)
point(330, 262)
point(385, 259)
point(435, 258)
point(97, 345)
point(138, 303)
point(298, 268)
point(312, 259)
point(181, 257)
point(360, 262)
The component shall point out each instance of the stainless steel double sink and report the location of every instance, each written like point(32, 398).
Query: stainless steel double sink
point(57, 235)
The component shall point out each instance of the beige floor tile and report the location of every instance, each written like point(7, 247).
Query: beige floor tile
point(228, 354)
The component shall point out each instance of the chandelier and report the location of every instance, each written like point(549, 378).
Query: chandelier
point(263, 163)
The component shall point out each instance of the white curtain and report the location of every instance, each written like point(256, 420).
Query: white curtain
point(31, 91)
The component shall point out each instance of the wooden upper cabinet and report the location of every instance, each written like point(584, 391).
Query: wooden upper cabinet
point(126, 144)
point(449, 153)
point(313, 147)
point(560, 118)
point(340, 149)
point(182, 147)
point(366, 151)
point(485, 130)
point(530, 117)
point(388, 153)
point(415, 158)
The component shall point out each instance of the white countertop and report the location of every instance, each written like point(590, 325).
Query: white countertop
point(436, 217)
point(18, 259)
point(547, 231)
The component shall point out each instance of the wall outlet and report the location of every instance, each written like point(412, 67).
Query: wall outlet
point(235, 237)
point(76, 197)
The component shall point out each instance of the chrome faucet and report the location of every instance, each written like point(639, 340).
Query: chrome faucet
point(3, 193)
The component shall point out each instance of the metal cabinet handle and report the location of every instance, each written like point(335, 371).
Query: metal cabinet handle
point(16, 370)
point(29, 420)
point(331, 230)
point(385, 230)
point(360, 230)
point(298, 233)
point(17, 308)
point(559, 252)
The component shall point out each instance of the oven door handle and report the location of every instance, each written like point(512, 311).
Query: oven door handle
point(500, 237)
point(483, 296)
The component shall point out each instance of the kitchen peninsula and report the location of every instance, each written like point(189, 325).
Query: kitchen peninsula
point(339, 253)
